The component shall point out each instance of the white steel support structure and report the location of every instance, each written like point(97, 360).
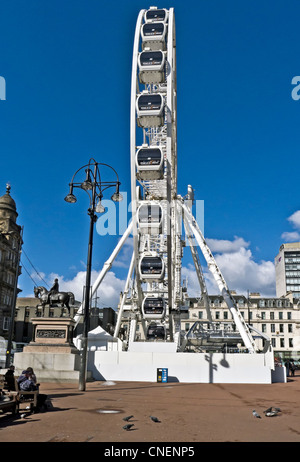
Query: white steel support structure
point(213, 267)
point(160, 133)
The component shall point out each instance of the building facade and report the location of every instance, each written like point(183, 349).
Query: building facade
point(29, 307)
point(10, 269)
point(287, 270)
point(278, 318)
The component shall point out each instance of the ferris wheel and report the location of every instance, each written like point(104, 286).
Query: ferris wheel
point(153, 295)
point(153, 135)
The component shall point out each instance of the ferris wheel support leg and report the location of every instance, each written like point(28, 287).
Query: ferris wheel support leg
point(212, 266)
point(132, 331)
point(198, 271)
point(144, 327)
point(105, 269)
point(120, 314)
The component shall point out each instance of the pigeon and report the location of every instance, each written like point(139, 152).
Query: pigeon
point(128, 426)
point(268, 410)
point(155, 419)
point(271, 413)
point(128, 418)
point(255, 414)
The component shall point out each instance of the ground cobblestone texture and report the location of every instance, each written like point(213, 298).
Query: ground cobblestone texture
point(187, 413)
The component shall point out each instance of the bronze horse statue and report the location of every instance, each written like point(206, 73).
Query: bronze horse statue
point(60, 297)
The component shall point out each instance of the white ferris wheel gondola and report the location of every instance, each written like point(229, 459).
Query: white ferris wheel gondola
point(152, 66)
point(150, 218)
point(156, 332)
point(154, 35)
point(150, 163)
point(150, 110)
point(152, 268)
point(153, 307)
point(156, 15)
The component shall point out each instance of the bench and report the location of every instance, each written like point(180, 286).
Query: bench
point(26, 396)
point(9, 406)
point(18, 396)
point(12, 403)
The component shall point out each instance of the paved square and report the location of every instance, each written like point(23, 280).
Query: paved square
point(187, 413)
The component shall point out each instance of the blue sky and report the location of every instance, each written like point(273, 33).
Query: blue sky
point(67, 68)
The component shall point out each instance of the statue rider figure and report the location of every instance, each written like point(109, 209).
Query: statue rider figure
point(54, 290)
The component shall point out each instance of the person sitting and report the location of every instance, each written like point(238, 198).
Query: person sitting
point(54, 290)
point(28, 382)
point(10, 379)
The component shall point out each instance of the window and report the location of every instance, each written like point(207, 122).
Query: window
point(217, 314)
point(280, 315)
point(290, 328)
point(282, 343)
point(264, 328)
point(272, 328)
point(273, 342)
point(6, 322)
point(200, 314)
point(289, 315)
point(261, 303)
point(225, 314)
point(281, 328)
point(187, 326)
point(272, 315)
point(291, 345)
point(263, 315)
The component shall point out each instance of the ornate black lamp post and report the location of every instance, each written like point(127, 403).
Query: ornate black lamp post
point(95, 187)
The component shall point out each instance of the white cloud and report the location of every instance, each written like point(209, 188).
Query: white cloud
point(291, 237)
point(239, 270)
point(242, 273)
point(295, 219)
point(220, 245)
point(108, 292)
point(124, 257)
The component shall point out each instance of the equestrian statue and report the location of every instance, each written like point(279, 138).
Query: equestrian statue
point(53, 296)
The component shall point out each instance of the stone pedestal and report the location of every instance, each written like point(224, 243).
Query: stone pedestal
point(51, 353)
point(52, 335)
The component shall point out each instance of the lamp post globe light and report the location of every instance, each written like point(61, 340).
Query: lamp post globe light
point(94, 187)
